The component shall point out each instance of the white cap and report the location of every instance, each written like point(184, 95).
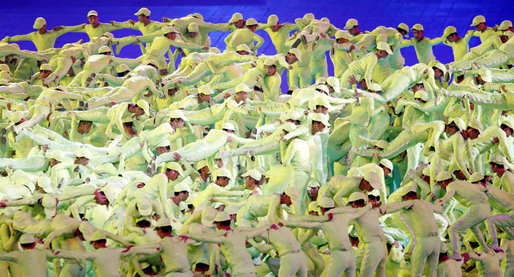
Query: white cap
point(381, 143)
point(272, 20)
point(384, 46)
point(322, 88)
point(26, 239)
point(357, 195)
point(292, 192)
point(176, 114)
point(143, 11)
point(228, 126)
point(222, 216)
point(208, 216)
point(164, 143)
point(498, 159)
point(242, 87)
point(104, 49)
point(97, 235)
point(477, 20)
point(205, 89)
point(39, 23)
point(182, 186)
point(223, 172)
point(235, 17)
point(449, 30)
point(201, 164)
point(168, 29)
point(251, 21)
point(475, 124)
point(505, 25)
point(407, 189)
point(308, 16)
point(269, 62)
point(319, 117)
point(254, 174)
point(65, 157)
point(45, 66)
point(342, 34)
point(508, 123)
point(422, 94)
point(45, 183)
point(459, 122)
point(374, 192)
point(192, 27)
point(326, 202)
point(475, 177)
point(197, 15)
point(243, 47)
point(144, 105)
point(355, 172)
point(485, 74)
point(372, 178)
point(163, 222)
point(4, 82)
point(387, 163)
point(297, 53)
point(334, 83)
point(439, 66)
point(144, 206)
point(289, 127)
point(122, 68)
point(374, 87)
point(293, 114)
point(83, 152)
point(175, 166)
point(405, 27)
point(92, 12)
point(350, 23)
point(418, 27)
point(443, 175)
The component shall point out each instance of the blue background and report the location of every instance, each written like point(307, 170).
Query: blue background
point(18, 16)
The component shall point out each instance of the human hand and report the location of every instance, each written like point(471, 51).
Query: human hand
point(183, 238)
point(127, 249)
point(132, 22)
point(330, 216)
point(352, 80)
point(177, 156)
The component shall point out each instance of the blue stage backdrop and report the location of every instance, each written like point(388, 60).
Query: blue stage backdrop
point(435, 15)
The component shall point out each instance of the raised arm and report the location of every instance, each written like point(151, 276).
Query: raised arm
point(207, 237)
point(302, 224)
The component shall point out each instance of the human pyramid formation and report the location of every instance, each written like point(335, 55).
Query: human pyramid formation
point(132, 167)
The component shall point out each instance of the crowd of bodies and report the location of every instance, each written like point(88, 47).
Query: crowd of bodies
point(131, 167)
